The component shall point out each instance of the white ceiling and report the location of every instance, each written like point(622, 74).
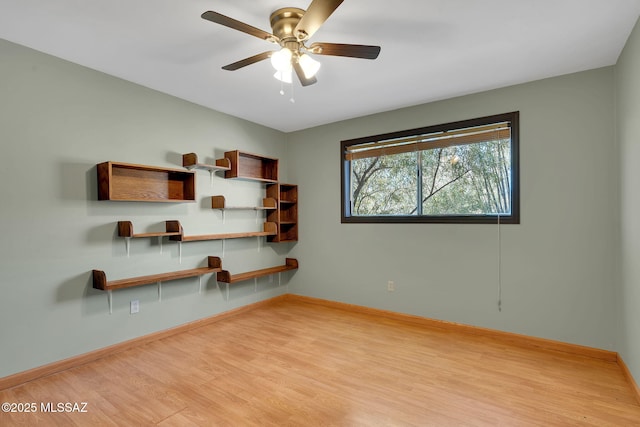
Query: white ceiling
point(431, 49)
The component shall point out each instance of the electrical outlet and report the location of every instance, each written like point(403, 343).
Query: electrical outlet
point(135, 306)
point(391, 286)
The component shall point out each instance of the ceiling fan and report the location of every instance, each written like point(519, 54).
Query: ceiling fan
point(291, 28)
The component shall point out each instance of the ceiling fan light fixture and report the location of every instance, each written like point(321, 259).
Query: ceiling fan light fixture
point(309, 65)
point(281, 60)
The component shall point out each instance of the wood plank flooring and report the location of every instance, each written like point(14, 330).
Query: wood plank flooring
point(298, 364)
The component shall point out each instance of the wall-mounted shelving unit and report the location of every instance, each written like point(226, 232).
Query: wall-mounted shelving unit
point(141, 183)
point(251, 166)
point(286, 216)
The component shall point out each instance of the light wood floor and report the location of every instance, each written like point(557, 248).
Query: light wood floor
point(299, 364)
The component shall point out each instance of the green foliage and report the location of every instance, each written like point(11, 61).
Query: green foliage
point(472, 179)
point(385, 185)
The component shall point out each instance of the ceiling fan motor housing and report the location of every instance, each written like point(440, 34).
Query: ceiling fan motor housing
point(283, 22)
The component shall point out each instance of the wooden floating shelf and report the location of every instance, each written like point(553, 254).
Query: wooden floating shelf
point(100, 280)
point(140, 183)
point(190, 161)
point(125, 229)
point(219, 202)
point(269, 229)
point(251, 166)
point(226, 277)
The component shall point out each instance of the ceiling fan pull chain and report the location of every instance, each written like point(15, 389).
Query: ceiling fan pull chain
point(292, 99)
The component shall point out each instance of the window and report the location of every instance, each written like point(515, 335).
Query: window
point(462, 172)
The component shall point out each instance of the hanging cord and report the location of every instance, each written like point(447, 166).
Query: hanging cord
point(499, 266)
point(497, 138)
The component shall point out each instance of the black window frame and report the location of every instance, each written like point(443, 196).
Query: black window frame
point(512, 218)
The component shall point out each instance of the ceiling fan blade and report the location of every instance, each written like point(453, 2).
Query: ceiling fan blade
point(237, 25)
point(350, 50)
point(318, 12)
point(247, 61)
point(303, 79)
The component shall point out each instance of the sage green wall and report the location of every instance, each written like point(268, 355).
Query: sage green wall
point(628, 131)
point(57, 121)
point(558, 267)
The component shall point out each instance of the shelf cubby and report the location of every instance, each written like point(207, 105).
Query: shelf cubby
point(100, 279)
point(141, 183)
point(225, 276)
point(251, 166)
point(269, 229)
point(190, 161)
